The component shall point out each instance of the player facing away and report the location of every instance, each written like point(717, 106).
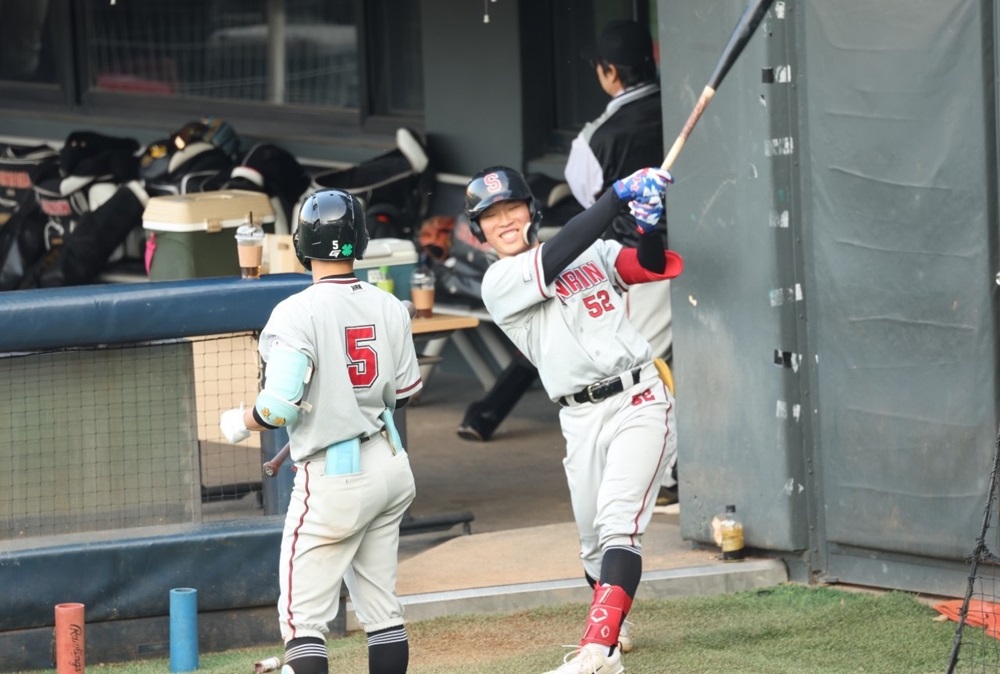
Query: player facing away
point(561, 304)
point(339, 359)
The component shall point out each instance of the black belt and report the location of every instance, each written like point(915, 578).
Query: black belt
point(602, 389)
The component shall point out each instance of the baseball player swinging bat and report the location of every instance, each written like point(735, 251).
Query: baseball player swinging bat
point(271, 467)
point(752, 16)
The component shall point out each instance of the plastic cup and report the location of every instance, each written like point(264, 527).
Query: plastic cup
point(422, 291)
point(250, 249)
point(423, 300)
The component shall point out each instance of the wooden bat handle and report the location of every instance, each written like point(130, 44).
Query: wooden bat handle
point(271, 467)
point(699, 109)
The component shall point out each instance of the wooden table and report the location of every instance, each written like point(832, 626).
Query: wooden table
point(442, 323)
point(481, 346)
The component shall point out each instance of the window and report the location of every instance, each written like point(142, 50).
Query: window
point(26, 53)
point(579, 98)
point(305, 54)
point(237, 58)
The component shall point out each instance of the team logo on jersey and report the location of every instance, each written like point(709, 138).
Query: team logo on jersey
point(579, 279)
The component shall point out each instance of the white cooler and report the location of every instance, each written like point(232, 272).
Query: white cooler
point(194, 234)
point(399, 256)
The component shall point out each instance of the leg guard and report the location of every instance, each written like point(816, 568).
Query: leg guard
point(608, 609)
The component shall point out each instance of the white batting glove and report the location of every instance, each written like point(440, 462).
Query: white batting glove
point(232, 425)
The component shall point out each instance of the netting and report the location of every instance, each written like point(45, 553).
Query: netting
point(111, 437)
point(976, 647)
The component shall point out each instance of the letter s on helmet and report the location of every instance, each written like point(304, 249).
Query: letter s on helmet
point(493, 185)
point(331, 227)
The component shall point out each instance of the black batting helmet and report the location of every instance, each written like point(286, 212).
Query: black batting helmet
point(493, 185)
point(331, 227)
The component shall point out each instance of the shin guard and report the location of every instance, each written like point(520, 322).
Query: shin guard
point(608, 609)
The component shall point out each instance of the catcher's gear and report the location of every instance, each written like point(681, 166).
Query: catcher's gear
point(435, 236)
point(331, 227)
point(665, 375)
point(287, 372)
point(493, 185)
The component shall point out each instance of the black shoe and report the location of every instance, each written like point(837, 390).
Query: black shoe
point(470, 433)
point(667, 496)
point(479, 423)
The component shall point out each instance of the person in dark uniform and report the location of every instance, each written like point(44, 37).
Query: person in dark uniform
point(626, 137)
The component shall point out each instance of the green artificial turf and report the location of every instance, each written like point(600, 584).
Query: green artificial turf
point(787, 629)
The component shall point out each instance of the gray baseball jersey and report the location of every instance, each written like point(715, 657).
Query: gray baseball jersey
point(344, 527)
point(579, 337)
point(576, 332)
point(359, 341)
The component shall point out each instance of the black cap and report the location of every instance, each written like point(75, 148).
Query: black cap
point(622, 43)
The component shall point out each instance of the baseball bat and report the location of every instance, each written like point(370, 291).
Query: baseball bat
point(745, 27)
point(271, 467)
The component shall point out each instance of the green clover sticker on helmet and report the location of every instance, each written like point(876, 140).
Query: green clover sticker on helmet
point(347, 250)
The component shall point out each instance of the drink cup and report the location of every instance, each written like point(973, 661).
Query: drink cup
point(250, 249)
point(423, 300)
point(422, 291)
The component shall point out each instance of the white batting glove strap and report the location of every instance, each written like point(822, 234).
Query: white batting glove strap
point(232, 426)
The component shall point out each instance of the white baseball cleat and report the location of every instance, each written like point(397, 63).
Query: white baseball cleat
point(625, 642)
point(591, 659)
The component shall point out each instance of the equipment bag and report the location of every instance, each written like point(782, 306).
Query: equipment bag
point(18, 165)
point(89, 207)
point(394, 187)
point(21, 220)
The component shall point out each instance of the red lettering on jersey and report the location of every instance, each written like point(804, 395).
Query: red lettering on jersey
point(492, 182)
point(593, 273)
point(16, 179)
point(578, 279)
point(573, 280)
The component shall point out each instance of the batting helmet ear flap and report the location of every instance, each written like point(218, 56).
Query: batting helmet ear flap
point(477, 230)
point(303, 260)
point(531, 231)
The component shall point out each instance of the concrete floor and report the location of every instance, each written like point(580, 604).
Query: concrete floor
point(522, 549)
